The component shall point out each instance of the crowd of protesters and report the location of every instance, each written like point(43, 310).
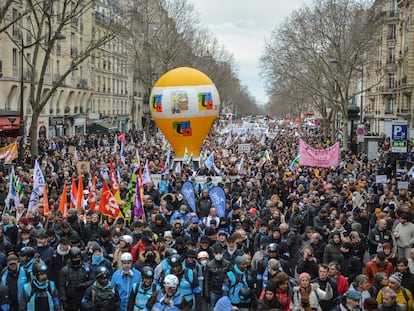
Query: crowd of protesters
point(305, 239)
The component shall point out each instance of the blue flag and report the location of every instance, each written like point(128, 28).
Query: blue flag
point(187, 190)
point(218, 198)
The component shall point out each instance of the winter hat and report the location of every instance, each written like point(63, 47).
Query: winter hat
point(167, 234)
point(304, 275)
point(271, 287)
point(396, 278)
point(347, 245)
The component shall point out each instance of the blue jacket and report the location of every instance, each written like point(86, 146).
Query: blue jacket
point(237, 280)
point(24, 277)
point(123, 284)
point(140, 295)
point(158, 306)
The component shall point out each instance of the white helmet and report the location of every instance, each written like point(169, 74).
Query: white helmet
point(126, 257)
point(203, 254)
point(171, 281)
point(127, 238)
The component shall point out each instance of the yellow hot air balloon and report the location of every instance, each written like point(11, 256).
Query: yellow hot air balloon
point(184, 104)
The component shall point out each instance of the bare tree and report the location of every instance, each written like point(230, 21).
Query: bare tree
point(320, 48)
point(48, 21)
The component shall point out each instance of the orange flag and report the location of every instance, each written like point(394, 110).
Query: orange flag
point(79, 196)
point(45, 201)
point(63, 202)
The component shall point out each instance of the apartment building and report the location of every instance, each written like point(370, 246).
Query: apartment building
point(98, 90)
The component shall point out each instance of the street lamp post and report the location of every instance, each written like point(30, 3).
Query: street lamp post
point(21, 122)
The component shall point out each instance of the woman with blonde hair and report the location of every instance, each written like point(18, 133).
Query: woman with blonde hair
point(306, 296)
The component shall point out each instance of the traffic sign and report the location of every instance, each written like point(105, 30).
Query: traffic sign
point(399, 135)
point(360, 131)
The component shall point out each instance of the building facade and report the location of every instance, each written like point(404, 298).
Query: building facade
point(98, 89)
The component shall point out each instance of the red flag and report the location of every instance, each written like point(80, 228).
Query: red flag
point(92, 194)
point(73, 194)
point(79, 195)
point(63, 202)
point(108, 205)
point(45, 201)
point(112, 176)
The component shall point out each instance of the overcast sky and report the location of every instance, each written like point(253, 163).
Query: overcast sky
point(242, 26)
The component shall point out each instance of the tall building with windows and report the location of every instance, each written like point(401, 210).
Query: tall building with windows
point(381, 71)
point(98, 89)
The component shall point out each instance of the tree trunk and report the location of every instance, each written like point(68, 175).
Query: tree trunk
point(345, 133)
point(34, 143)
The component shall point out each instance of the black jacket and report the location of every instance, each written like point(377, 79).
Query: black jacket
point(73, 282)
point(215, 273)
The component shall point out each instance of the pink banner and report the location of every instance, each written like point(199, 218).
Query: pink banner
point(309, 156)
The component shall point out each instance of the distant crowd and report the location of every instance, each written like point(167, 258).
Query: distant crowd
point(302, 238)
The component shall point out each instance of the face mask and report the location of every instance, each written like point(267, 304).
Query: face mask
point(150, 257)
point(96, 259)
point(203, 262)
point(76, 263)
point(218, 257)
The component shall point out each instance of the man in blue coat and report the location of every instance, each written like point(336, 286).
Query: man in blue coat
point(124, 278)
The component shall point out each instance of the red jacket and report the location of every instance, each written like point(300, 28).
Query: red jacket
point(139, 248)
point(372, 268)
point(342, 285)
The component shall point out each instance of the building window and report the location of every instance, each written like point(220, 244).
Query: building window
point(391, 31)
point(390, 105)
point(391, 55)
point(390, 81)
point(14, 58)
point(15, 25)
